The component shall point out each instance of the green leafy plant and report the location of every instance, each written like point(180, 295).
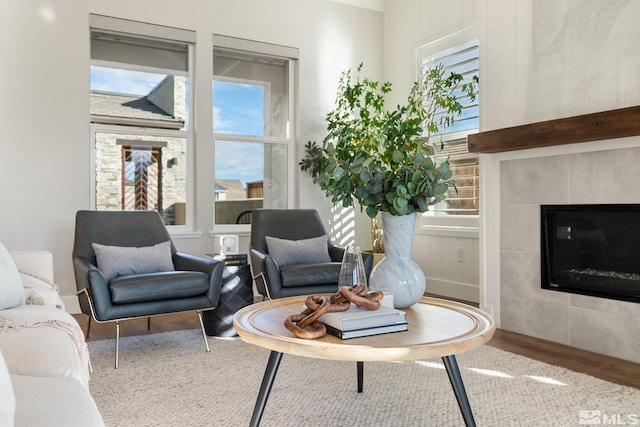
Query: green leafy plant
point(382, 158)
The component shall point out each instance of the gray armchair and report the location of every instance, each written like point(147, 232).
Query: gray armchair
point(156, 283)
point(277, 281)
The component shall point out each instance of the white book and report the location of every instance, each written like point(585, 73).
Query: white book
point(362, 318)
point(376, 330)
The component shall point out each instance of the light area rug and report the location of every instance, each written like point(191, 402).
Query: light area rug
point(168, 379)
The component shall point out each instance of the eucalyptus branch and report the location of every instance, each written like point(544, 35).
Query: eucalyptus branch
point(380, 157)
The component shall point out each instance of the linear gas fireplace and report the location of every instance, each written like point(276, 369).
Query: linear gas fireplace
point(591, 250)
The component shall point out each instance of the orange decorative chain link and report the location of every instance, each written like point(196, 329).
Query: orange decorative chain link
point(307, 325)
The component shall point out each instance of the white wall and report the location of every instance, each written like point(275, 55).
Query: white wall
point(44, 113)
point(506, 39)
point(412, 23)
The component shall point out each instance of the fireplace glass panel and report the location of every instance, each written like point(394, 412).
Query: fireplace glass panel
point(591, 250)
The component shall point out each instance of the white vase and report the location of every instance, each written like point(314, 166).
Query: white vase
point(397, 271)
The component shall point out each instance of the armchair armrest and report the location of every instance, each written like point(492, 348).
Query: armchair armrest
point(367, 258)
point(89, 277)
point(336, 253)
point(265, 266)
point(186, 262)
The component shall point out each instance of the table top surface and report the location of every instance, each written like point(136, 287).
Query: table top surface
point(437, 328)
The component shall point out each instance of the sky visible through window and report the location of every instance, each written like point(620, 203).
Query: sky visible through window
point(238, 109)
point(125, 82)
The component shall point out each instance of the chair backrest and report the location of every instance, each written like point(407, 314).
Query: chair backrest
point(244, 217)
point(290, 224)
point(118, 228)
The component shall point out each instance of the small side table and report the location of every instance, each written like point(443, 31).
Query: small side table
point(236, 293)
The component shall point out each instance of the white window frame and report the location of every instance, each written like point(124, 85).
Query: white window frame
point(289, 139)
point(141, 29)
point(458, 225)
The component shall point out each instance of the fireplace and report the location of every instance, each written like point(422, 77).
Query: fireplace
point(591, 250)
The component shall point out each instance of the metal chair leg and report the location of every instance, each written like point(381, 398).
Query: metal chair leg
point(204, 333)
point(117, 343)
point(89, 327)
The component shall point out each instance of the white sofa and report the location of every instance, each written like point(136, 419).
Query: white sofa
point(44, 360)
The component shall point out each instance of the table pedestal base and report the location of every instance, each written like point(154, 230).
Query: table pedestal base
point(450, 364)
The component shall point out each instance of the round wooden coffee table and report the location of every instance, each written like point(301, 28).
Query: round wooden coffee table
point(437, 328)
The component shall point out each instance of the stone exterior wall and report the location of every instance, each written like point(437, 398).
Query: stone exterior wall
point(109, 174)
point(109, 169)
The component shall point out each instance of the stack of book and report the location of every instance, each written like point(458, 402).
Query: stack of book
point(361, 322)
point(232, 259)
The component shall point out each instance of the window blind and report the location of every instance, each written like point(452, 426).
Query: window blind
point(138, 45)
point(451, 144)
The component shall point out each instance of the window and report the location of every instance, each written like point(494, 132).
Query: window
point(140, 116)
point(253, 126)
point(460, 54)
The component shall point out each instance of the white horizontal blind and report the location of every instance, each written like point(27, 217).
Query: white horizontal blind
point(451, 143)
point(140, 54)
point(141, 46)
point(463, 197)
point(254, 47)
point(462, 59)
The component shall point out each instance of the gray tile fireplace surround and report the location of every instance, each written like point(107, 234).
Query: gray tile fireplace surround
point(596, 324)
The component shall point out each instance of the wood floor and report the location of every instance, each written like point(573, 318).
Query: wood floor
point(599, 366)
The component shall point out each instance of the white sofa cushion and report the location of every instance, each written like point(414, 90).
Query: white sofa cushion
point(11, 290)
point(43, 341)
point(7, 397)
point(50, 401)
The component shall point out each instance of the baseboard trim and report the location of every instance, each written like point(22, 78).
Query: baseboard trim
point(456, 290)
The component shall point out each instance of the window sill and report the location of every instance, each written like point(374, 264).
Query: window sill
point(179, 232)
point(454, 226)
point(238, 229)
point(467, 232)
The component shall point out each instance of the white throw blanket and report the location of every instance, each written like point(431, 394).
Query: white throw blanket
point(74, 332)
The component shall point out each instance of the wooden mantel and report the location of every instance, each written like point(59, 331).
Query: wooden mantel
point(610, 124)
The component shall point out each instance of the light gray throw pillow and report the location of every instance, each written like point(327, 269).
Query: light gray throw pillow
point(306, 251)
point(122, 261)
